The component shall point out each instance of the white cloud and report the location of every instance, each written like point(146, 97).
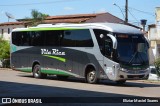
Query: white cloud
point(102, 10)
point(68, 8)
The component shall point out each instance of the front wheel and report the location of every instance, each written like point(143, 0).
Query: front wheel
point(37, 72)
point(91, 77)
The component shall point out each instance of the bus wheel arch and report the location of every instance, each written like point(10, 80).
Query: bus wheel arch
point(36, 70)
point(91, 74)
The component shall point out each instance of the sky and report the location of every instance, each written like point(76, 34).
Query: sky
point(138, 9)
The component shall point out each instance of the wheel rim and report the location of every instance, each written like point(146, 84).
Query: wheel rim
point(91, 76)
point(36, 72)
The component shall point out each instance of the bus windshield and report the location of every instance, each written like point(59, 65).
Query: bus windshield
point(132, 50)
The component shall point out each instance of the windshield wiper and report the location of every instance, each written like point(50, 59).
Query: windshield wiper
point(141, 59)
point(133, 57)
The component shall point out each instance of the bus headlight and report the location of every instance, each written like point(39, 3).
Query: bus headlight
point(123, 69)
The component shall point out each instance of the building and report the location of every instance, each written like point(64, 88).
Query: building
point(76, 18)
point(6, 28)
point(154, 37)
point(80, 18)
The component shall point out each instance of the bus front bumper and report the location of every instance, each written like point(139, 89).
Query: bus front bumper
point(133, 74)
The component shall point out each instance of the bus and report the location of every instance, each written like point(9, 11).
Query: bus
point(92, 51)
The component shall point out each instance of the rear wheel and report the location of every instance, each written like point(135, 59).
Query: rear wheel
point(37, 72)
point(91, 76)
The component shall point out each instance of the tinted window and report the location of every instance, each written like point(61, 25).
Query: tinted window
point(36, 38)
point(53, 38)
point(20, 38)
point(69, 38)
point(77, 38)
point(101, 40)
point(97, 33)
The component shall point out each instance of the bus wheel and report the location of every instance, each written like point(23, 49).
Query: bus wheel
point(91, 77)
point(121, 82)
point(37, 72)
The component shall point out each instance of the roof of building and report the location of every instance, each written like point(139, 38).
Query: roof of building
point(81, 18)
point(152, 25)
point(11, 23)
point(77, 18)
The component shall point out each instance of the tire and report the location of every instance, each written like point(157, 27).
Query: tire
point(37, 72)
point(121, 82)
point(91, 77)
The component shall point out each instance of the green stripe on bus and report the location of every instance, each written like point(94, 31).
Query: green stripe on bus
point(48, 71)
point(47, 29)
point(13, 48)
point(54, 72)
point(56, 57)
point(25, 69)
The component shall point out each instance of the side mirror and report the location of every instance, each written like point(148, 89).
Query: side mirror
point(114, 40)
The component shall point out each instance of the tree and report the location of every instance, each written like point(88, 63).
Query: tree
point(4, 52)
point(36, 17)
point(5, 49)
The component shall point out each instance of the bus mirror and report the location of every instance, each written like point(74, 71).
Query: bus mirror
point(114, 40)
point(101, 36)
point(141, 47)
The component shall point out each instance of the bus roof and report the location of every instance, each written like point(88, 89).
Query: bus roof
point(112, 27)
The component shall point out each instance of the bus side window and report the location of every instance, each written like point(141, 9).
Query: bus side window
point(24, 39)
point(108, 47)
point(101, 39)
point(53, 38)
point(77, 38)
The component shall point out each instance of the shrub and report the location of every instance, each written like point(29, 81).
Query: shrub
point(157, 65)
point(4, 51)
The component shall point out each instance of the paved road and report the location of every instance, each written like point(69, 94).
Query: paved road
point(19, 84)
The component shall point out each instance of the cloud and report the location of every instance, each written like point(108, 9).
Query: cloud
point(102, 10)
point(68, 8)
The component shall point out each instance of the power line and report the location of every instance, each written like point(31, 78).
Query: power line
point(133, 16)
point(149, 13)
point(144, 12)
point(39, 3)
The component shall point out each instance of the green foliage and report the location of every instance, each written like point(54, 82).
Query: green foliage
point(36, 17)
point(4, 49)
point(157, 65)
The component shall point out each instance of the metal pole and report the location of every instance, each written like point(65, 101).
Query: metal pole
point(120, 9)
point(126, 11)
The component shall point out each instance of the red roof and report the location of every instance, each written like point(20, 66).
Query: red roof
point(76, 18)
point(73, 16)
point(11, 23)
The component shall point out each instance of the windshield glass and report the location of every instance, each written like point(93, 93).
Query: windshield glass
point(132, 49)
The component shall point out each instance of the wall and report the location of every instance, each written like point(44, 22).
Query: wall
point(7, 29)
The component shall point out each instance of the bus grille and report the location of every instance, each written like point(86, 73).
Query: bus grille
point(135, 76)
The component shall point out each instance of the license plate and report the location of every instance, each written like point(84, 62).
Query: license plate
point(135, 77)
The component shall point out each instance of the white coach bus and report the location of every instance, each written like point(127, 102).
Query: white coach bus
point(92, 51)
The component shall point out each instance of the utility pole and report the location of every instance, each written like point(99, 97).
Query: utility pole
point(126, 11)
